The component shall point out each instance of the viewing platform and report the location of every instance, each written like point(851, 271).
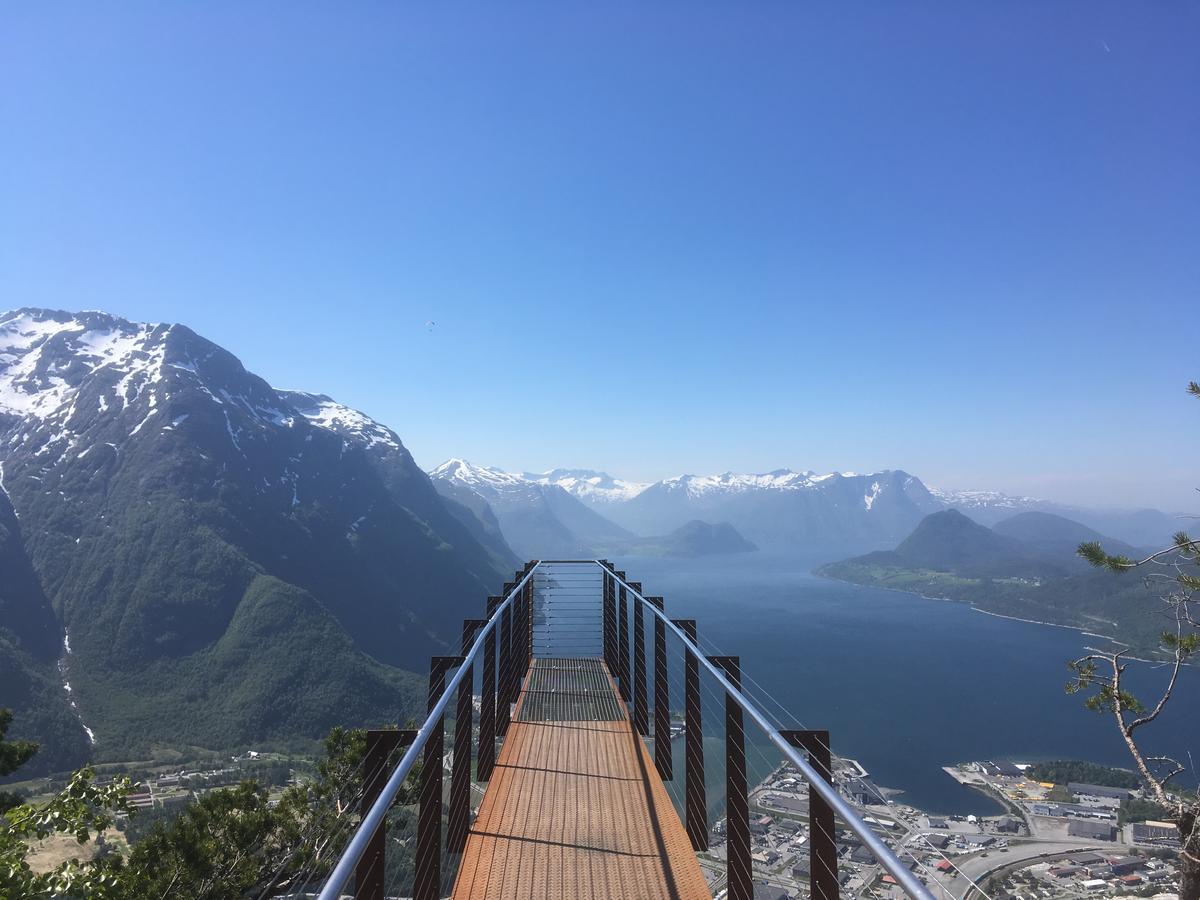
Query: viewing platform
point(562, 723)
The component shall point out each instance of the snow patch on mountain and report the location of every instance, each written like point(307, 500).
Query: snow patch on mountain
point(45, 356)
point(324, 412)
point(63, 665)
point(981, 499)
point(869, 497)
point(733, 483)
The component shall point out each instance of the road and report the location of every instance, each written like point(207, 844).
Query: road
point(977, 867)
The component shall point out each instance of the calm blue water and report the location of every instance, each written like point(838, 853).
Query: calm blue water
point(904, 684)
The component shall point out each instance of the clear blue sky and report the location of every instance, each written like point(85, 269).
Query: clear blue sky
point(959, 239)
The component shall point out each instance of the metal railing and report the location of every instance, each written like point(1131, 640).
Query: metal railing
point(626, 658)
point(905, 877)
point(371, 822)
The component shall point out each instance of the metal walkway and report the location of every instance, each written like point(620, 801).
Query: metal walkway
point(575, 807)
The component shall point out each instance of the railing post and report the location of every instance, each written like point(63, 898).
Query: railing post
point(822, 843)
point(372, 865)
point(527, 626)
point(515, 669)
point(737, 804)
point(695, 793)
point(610, 624)
point(427, 879)
point(460, 775)
point(641, 714)
point(623, 639)
point(487, 701)
point(522, 631)
point(520, 658)
point(662, 697)
point(504, 681)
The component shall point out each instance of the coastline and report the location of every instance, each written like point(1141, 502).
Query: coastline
point(988, 791)
point(1083, 632)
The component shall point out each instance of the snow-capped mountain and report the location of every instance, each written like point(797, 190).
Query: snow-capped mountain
point(396, 467)
point(984, 500)
point(596, 489)
point(177, 509)
point(784, 509)
point(490, 483)
point(539, 519)
point(779, 509)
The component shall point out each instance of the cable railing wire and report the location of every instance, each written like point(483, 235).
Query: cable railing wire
point(718, 701)
point(307, 844)
point(869, 786)
point(755, 748)
point(906, 878)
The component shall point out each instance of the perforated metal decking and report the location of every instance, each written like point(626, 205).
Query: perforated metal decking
point(569, 690)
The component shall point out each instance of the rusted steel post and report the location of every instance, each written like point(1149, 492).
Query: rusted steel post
point(623, 639)
point(460, 777)
point(610, 625)
point(662, 697)
point(641, 713)
point(822, 843)
point(487, 701)
point(737, 803)
point(372, 866)
point(518, 644)
point(520, 629)
point(695, 793)
point(527, 629)
point(504, 681)
point(427, 874)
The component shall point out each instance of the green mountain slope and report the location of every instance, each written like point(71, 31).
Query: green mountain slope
point(225, 559)
point(1057, 536)
point(948, 556)
point(30, 639)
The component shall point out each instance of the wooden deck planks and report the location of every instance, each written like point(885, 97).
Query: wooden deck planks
point(577, 810)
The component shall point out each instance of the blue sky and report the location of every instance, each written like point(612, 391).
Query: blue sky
point(958, 239)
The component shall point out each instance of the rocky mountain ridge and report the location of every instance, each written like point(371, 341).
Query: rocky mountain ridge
point(786, 509)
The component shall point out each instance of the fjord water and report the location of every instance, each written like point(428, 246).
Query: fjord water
point(904, 684)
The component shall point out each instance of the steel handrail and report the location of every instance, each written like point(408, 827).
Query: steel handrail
point(883, 853)
point(374, 818)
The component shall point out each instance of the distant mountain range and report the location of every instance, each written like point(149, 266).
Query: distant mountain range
point(783, 510)
point(537, 519)
point(1024, 566)
point(692, 539)
point(193, 557)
